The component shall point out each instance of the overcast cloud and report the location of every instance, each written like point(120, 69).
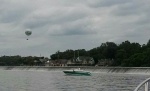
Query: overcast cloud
point(70, 24)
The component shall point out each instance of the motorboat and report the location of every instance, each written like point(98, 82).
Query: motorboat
point(77, 72)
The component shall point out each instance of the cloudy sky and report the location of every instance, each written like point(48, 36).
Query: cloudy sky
point(70, 24)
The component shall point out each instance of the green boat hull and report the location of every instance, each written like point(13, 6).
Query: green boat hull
point(77, 73)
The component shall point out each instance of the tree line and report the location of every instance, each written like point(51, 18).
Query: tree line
point(126, 54)
point(20, 61)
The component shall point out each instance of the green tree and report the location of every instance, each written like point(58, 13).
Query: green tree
point(120, 56)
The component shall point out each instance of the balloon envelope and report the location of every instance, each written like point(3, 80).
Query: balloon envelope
point(28, 33)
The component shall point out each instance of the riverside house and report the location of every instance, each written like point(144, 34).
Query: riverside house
point(59, 62)
point(85, 61)
point(40, 62)
point(105, 62)
point(79, 61)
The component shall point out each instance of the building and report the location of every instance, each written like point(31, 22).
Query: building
point(105, 62)
point(79, 61)
point(59, 62)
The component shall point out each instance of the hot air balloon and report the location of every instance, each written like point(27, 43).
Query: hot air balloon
point(28, 33)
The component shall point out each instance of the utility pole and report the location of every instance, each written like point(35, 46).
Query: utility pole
point(78, 53)
point(58, 55)
point(74, 54)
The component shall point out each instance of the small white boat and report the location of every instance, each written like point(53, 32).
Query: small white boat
point(77, 72)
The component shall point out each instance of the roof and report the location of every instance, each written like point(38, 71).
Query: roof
point(81, 58)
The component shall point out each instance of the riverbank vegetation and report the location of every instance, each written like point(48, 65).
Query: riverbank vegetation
point(126, 54)
point(21, 61)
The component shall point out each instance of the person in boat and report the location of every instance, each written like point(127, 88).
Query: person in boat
point(73, 70)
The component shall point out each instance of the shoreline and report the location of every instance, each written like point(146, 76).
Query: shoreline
point(125, 70)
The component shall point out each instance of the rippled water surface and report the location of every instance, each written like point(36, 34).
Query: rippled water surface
point(58, 81)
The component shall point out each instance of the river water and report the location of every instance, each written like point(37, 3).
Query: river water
point(11, 80)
